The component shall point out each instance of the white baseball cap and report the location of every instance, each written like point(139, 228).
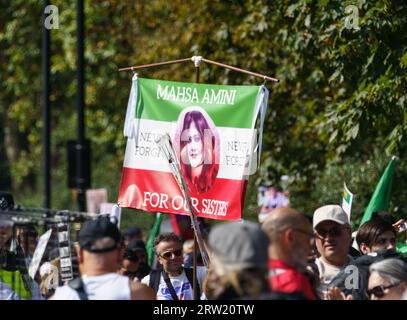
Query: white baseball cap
point(330, 212)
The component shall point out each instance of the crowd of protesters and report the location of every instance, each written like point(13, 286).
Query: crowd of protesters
point(289, 256)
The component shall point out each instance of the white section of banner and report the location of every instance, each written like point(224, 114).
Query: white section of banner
point(236, 144)
point(38, 253)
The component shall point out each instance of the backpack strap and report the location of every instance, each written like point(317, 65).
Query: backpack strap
point(155, 276)
point(78, 285)
point(190, 276)
point(154, 282)
point(169, 285)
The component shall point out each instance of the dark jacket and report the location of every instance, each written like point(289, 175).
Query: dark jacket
point(353, 279)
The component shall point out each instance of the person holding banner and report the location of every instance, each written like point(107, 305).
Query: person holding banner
point(172, 281)
point(197, 145)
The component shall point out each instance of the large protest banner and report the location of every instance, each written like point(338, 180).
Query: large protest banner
point(212, 128)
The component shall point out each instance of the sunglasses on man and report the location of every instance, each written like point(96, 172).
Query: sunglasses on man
point(168, 254)
point(379, 291)
point(333, 232)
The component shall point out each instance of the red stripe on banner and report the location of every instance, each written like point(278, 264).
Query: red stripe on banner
point(157, 191)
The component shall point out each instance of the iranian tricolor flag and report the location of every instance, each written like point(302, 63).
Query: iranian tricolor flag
point(212, 129)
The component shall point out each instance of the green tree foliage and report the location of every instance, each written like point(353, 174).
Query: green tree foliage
point(340, 103)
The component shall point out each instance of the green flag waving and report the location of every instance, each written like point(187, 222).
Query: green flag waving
point(154, 232)
point(380, 200)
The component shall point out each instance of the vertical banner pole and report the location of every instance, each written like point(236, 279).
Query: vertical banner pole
point(195, 243)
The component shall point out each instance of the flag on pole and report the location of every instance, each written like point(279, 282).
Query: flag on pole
point(182, 226)
point(347, 199)
point(150, 242)
point(380, 200)
point(212, 128)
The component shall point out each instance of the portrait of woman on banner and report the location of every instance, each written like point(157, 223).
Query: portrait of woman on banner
point(197, 145)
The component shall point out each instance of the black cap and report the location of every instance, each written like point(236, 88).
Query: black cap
point(96, 229)
point(137, 244)
point(6, 201)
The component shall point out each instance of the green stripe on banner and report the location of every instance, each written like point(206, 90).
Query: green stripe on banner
point(228, 106)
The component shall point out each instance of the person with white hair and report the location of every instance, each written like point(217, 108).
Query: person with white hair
point(388, 280)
